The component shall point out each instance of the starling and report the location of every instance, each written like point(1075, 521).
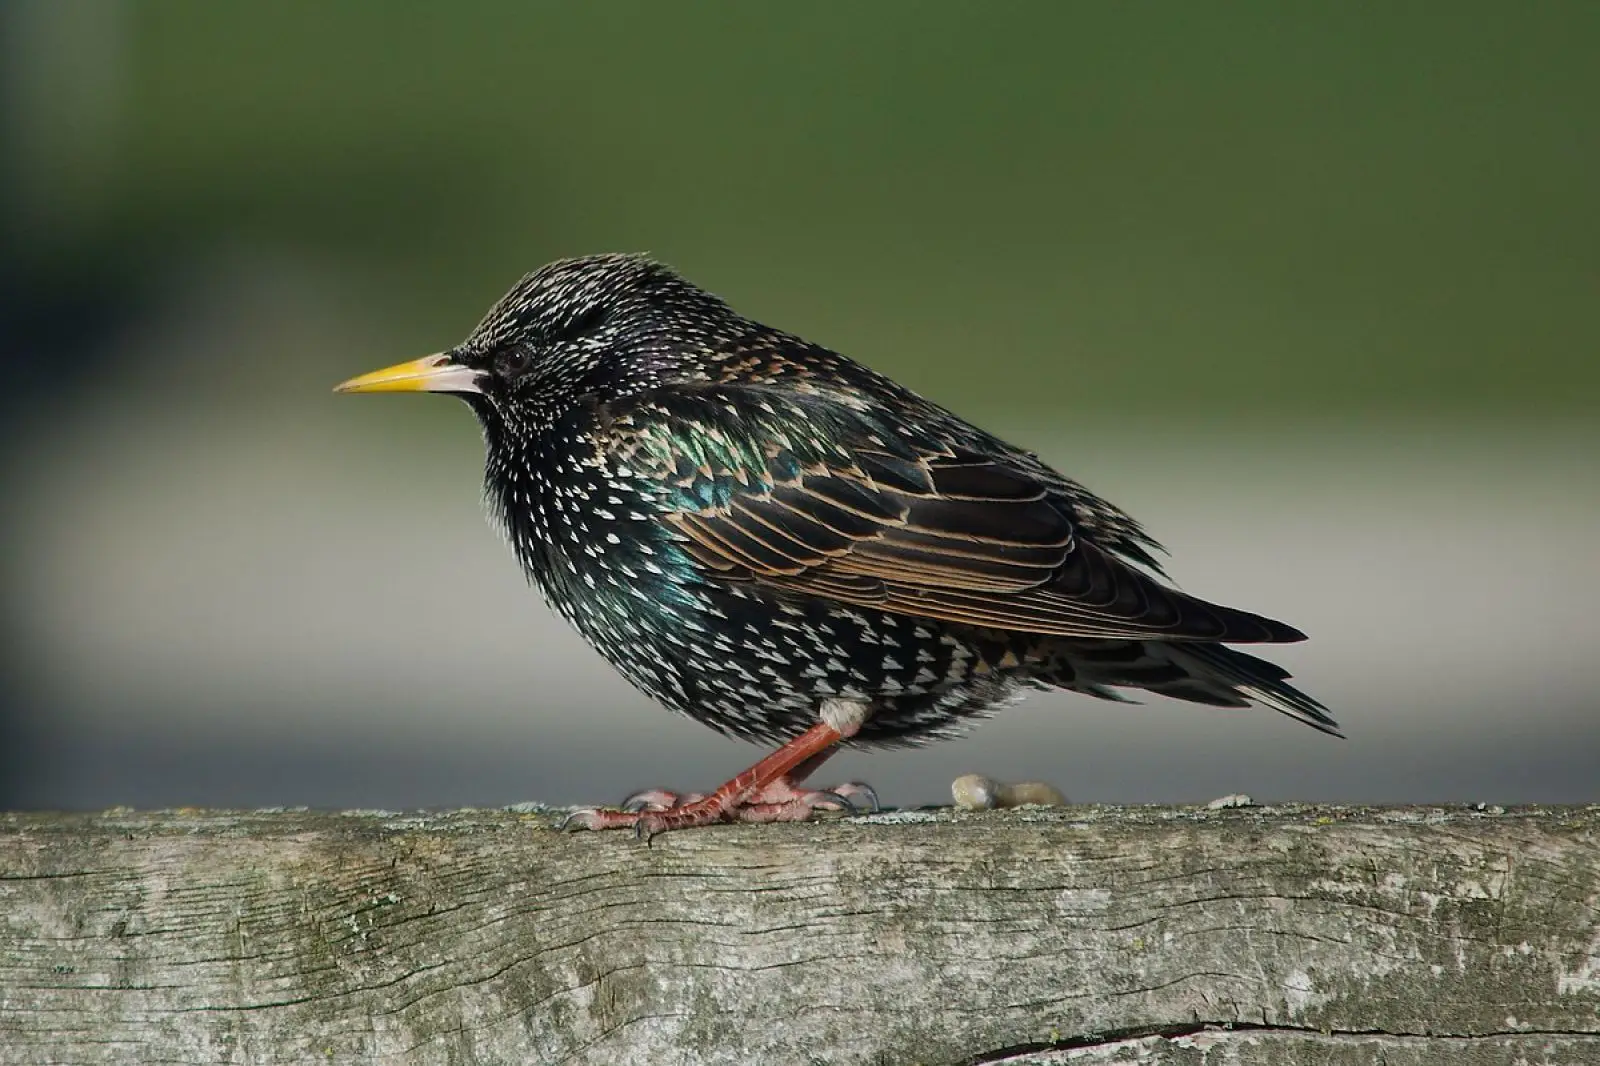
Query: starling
point(795, 550)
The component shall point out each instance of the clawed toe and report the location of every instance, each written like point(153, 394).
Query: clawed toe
point(659, 799)
point(653, 799)
point(588, 818)
point(827, 800)
point(862, 797)
point(645, 824)
point(851, 798)
point(782, 802)
point(648, 814)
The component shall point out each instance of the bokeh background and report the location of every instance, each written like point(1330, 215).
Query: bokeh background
point(1314, 290)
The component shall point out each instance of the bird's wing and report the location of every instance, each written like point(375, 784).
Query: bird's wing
point(826, 502)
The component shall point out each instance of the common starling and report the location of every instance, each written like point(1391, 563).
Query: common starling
point(792, 548)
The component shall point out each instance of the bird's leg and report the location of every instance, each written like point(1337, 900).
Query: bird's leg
point(780, 791)
point(717, 806)
point(767, 792)
point(783, 800)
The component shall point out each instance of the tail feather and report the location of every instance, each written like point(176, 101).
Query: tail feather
point(1256, 679)
point(1198, 672)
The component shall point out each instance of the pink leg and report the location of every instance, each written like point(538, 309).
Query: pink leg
point(767, 792)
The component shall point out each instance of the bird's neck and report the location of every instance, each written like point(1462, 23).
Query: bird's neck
point(520, 500)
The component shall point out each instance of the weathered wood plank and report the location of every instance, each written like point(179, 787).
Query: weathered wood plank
point(1327, 935)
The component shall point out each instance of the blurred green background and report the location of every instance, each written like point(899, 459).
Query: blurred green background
point(1313, 288)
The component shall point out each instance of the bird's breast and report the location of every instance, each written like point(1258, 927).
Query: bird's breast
point(587, 531)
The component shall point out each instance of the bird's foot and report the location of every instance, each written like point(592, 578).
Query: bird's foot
point(784, 801)
point(655, 811)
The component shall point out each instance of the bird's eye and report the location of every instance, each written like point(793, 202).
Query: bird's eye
point(515, 359)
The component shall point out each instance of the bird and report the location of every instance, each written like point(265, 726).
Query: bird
point(796, 550)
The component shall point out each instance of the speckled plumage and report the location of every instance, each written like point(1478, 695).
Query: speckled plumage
point(746, 524)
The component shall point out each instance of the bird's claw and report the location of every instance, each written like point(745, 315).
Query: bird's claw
point(658, 799)
point(860, 797)
point(647, 799)
point(595, 818)
point(824, 799)
point(580, 819)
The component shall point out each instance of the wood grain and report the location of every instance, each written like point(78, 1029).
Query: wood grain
point(1028, 936)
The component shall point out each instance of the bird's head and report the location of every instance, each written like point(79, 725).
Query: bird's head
point(575, 330)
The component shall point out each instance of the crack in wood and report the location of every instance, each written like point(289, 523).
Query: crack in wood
point(1222, 1030)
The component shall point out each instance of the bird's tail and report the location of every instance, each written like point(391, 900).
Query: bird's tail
point(1195, 671)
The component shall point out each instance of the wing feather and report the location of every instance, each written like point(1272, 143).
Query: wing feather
point(936, 531)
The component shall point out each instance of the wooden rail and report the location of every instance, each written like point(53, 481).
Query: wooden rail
point(1409, 936)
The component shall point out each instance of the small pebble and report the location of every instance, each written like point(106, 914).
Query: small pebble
point(1222, 803)
point(974, 792)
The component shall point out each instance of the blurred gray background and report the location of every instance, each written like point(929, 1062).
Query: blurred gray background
point(1310, 289)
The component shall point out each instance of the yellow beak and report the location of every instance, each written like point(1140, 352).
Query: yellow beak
point(431, 373)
